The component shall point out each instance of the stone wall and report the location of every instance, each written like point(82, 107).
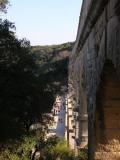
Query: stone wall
point(98, 39)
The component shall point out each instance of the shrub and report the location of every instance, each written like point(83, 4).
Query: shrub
point(19, 150)
point(82, 154)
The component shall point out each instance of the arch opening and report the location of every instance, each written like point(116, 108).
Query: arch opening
point(107, 116)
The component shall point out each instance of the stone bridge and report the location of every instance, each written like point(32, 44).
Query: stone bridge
point(94, 86)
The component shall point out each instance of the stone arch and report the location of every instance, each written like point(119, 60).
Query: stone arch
point(107, 116)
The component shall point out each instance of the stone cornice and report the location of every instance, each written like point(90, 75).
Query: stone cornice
point(95, 9)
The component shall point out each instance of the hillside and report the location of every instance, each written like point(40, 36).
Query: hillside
point(53, 65)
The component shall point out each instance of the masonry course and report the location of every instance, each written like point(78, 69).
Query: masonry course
point(97, 44)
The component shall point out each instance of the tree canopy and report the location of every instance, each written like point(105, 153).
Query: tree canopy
point(29, 81)
point(17, 83)
point(3, 5)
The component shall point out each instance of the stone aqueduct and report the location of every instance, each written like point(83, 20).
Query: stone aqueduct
point(94, 86)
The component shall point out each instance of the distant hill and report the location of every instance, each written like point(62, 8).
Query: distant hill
point(53, 64)
point(51, 53)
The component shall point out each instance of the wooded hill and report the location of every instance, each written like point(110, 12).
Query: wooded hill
point(53, 64)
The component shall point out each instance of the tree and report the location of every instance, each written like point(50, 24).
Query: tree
point(19, 96)
point(3, 5)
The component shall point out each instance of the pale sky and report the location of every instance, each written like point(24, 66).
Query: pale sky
point(45, 22)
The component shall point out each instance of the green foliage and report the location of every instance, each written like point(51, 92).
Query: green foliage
point(82, 154)
point(18, 85)
point(53, 65)
point(55, 148)
point(61, 150)
point(20, 150)
point(27, 89)
point(50, 149)
point(53, 53)
point(28, 143)
point(3, 5)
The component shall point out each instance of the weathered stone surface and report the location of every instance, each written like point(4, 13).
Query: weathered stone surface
point(98, 40)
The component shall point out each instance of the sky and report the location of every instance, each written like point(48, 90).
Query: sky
point(45, 22)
